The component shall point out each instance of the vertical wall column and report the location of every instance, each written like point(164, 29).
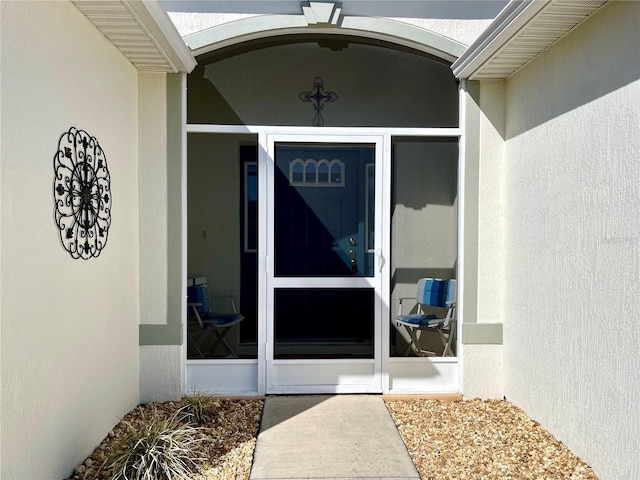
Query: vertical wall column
point(161, 269)
point(481, 331)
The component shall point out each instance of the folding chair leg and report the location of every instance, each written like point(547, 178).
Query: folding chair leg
point(448, 340)
point(414, 335)
point(413, 342)
point(199, 345)
point(220, 340)
point(191, 341)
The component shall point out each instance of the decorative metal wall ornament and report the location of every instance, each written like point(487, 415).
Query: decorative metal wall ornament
point(82, 194)
point(318, 97)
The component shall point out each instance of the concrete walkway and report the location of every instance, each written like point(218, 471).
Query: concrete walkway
point(345, 437)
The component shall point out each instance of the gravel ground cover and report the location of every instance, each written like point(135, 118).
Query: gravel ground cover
point(476, 439)
point(229, 439)
point(471, 439)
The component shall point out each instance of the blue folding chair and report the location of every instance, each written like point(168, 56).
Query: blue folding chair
point(431, 292)
point(211, 323)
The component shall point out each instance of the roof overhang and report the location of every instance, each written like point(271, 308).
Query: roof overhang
point(142, 31)
point(520, 32)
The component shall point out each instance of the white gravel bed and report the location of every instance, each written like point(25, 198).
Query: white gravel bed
point(476, 439)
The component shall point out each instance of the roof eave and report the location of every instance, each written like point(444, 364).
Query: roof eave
point(521, 32)
point(156, 22)
point(506, 25)
point(142, 31)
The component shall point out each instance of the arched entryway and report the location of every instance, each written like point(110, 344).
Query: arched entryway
point(322, 184)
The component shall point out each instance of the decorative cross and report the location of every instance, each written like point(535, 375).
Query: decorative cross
point(318, 97)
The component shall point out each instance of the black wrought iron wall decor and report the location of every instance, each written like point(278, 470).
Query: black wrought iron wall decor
point(318, 97)
point(82, 193)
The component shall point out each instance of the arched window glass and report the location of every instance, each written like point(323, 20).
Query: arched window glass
point(337, 172)
point(310, 172)
point(323, 172)
point(296, 173)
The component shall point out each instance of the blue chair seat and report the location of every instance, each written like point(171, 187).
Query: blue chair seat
point(220, 319)
point(420, 319)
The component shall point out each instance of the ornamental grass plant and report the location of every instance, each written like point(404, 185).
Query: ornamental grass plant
point(198, 407)
point(159, 448)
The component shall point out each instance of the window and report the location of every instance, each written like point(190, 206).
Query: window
point(320, 173)
point(251, 207)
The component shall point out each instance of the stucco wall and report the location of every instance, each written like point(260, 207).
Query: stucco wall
point(572, 240)
point(69, 331)
point(162, 299)
point(461, 20)
point(491, 203)
point(152, 111)
point(375, 86)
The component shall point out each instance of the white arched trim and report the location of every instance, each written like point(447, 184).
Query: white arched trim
point(263, 26)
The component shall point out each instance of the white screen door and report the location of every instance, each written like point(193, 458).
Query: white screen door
point(324, 261)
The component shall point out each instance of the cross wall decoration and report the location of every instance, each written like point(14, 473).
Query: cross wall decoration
point(318, 97)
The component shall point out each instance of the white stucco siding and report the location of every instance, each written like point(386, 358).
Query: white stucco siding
point(69, 337)
point(463, 31)
point(572, 241)
point(152, 111)
point(491, 203)
point(462, 21)
point(193, 22)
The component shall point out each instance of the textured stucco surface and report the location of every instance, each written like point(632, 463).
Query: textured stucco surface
point(152, 111)
point(160, 365)
point(69, 327)
point(160, 372)
point(572, 241)
point(419, 92)
point(460, 21)
point(491, 203)
point(482, 374)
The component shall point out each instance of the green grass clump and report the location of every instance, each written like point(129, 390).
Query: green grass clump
point(160, 448)
point(198, 407)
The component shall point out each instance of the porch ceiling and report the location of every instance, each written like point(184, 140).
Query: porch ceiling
point(523, 30)
point(142, 31)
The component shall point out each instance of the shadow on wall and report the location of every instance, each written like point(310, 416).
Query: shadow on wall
point(260, 84)
point(202, 111)
point(430, 172)
point(412, 275)
point(592, 61)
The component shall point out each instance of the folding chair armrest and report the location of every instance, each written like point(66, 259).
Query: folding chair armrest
point(400, 300)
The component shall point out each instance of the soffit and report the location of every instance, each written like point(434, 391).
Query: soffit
point(142, 31)
point(521, 32)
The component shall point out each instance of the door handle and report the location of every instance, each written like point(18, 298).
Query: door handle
point(354, 261)
point(381, 259)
